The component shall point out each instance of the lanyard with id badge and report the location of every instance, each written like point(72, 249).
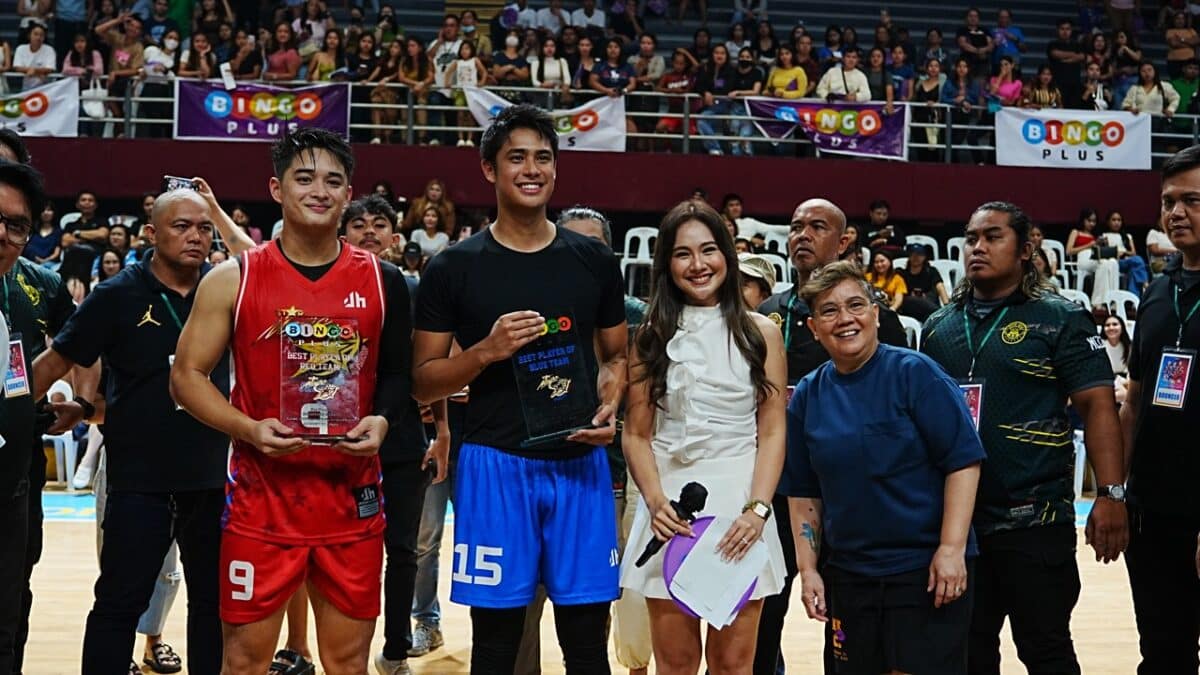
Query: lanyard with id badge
point(972, 389)
point(16, 376)
point(179, 325)
point(1175, 366)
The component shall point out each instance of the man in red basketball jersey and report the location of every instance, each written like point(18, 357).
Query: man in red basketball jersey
point(308, 319)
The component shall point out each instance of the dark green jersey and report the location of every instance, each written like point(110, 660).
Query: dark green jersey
point(1038, 353)
point(36, 304)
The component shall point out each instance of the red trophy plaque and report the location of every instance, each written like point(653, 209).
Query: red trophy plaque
point(320, 364)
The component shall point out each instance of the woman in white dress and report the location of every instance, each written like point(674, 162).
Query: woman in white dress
point(1085, 243)
point(707, 404)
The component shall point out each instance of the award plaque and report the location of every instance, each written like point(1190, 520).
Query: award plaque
point(554, 384)
point(320, 365)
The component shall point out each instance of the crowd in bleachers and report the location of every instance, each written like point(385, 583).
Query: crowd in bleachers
point(584, 49)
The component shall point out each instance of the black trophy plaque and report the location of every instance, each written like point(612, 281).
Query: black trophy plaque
point(555, 388)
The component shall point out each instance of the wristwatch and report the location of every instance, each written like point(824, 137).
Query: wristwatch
point(89, 410)
point(758, 507)
point(1113, 492)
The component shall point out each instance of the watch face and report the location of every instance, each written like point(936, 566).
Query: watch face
point(1117, 492)
point(761, 510)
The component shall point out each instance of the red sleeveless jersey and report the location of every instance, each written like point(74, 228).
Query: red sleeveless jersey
point(316, 496)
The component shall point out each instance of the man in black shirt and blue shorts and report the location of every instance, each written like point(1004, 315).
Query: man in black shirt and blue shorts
point(526, 514)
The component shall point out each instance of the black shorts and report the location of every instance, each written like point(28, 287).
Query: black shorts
point(880, 624)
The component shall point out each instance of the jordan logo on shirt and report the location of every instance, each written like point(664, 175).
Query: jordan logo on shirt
point(146, 318)
point(354, 301)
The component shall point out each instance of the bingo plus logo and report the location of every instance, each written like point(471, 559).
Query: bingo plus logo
point(33, 105)
point(242, 109)
point(1080, 140)
point(566, 125)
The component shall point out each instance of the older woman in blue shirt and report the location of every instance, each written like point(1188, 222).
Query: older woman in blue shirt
point(882, 465)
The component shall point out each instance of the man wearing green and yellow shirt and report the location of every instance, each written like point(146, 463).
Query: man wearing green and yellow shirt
point(35, 303)
point(1020, 351)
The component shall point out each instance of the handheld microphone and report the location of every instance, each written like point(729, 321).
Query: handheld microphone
point(691, 499)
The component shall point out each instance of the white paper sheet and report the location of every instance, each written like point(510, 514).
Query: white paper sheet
point(711, 586)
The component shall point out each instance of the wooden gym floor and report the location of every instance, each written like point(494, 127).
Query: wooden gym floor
point(1103, 625)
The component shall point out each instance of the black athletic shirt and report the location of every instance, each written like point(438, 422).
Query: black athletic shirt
point(467, 287)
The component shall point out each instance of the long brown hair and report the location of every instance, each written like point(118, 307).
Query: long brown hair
point(667, 301)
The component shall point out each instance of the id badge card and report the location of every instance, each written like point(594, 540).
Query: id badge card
point(1175, 370)
point(16, 378)
point(973, 394)
point(170, 365)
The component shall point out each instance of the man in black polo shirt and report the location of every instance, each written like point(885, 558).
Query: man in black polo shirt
point(1159, 422)
point(35, 304)
point(816, 239)
point(1066, 59)
point(1020, 350)
point(166, 471)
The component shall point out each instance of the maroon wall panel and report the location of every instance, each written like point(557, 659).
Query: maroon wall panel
point(771, 187)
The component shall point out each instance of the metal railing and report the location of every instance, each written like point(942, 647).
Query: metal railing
point(959, 138)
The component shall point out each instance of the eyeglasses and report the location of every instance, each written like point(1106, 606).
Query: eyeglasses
point(19, 229)
point(830, 312)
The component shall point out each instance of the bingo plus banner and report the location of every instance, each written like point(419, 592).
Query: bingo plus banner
point(49, 110)
point(206, 111)
point(860, 129)
point(1072, 139)
point(596, 125)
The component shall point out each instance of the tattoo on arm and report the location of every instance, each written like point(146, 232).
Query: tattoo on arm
point(812, 533)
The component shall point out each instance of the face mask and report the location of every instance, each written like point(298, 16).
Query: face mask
point(511, 41)
point(171, 44)
point(469, 29)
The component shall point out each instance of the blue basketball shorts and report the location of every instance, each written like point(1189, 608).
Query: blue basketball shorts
point(519, 522)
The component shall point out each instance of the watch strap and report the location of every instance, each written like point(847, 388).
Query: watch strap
point(89, 409)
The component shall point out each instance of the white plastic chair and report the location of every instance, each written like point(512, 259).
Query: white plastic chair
point(954, 248)
point(783, 269)
point(1120, 299)
point(1057, 253)
point(776, 241)
point(900, 263)
point(1078, 297)
point(951, 271)
point(924, 240)
point(66, 449)
point(125, 220)
point(782, 287)
point(638, 244)
point(912, 329)
point(68, 218)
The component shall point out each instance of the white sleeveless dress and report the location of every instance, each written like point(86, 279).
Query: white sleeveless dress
point(708, 433)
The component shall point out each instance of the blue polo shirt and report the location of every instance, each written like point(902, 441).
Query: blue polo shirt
point(875, 446)
point(130, 321)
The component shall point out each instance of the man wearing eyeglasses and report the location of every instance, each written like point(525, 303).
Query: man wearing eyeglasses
point(35, 304)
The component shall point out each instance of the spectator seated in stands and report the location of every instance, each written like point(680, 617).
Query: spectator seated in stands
point(679, 80)
point(1128, 260)
point(509, 67)
point(330, 59)
point(431, 237)
point(903, 74)
point(435, 196)
point(1041, 263)
point(787, 80)
point(210, 14)
point(225, 46)
point(846, 83)
point(1126, 59)
point(199, 61)
point(614, 77)
point(648, 66)
point(1182, 41)
point(310, 29)
point(36, 60)
point(1007, 39)
point(1037, 236)
point(926, 290)
point(880, 233)
point(83, 62)
point(854, 246)
point(1004, 89)
point(1042, 92)
point(45, 243)
point(549, 70)
point(246, 61)
point(1097, 94)
point(975, 45)
point(758, 279)
point(118, 242)
point(241, 218)
point(108, 264)
point(1159, 247)
point(879, 79)
point(83, 238)
point(282, 59)
point(1151, 95)
point(411, 261)
point(934, 50)
point(700, 51)
point(883, 276)
point(1094, 256)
